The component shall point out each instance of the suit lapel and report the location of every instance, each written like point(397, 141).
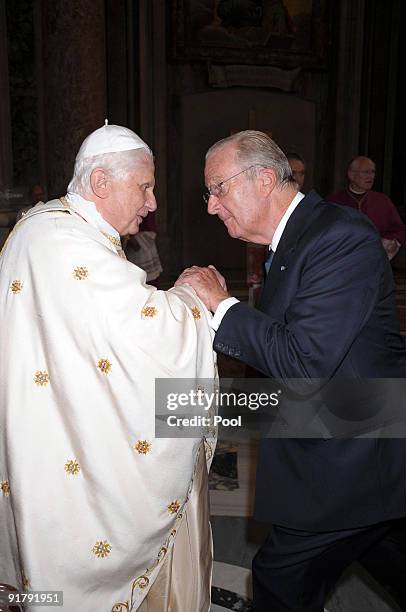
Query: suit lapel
point(298, 222)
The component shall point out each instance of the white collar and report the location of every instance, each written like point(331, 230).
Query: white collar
point(282, 223)
point(89, 212)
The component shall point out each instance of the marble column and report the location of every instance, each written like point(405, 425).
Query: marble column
point(153, 92)
point(74, 82)
point(351, 42)
point(6, 154)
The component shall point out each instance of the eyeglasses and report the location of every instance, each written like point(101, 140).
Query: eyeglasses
point(218, 190)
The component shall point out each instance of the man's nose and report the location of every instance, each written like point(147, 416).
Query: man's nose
point(213, 205)
point(151, 202)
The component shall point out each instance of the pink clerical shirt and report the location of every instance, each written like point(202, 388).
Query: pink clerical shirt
point(380, 210)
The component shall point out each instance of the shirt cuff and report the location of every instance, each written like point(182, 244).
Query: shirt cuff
point(221, 311)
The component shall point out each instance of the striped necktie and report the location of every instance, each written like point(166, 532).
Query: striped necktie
point(268, 260)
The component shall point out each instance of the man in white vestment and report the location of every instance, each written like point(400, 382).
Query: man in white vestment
point(91, 503)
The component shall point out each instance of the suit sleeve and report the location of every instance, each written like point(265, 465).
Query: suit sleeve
point(335, 296)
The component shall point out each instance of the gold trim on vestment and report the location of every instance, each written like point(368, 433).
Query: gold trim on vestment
point(196, 313)
point(142, 581)
point(5, 487)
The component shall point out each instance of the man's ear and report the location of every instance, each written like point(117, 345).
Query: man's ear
point(100, 183)
point(267, 180)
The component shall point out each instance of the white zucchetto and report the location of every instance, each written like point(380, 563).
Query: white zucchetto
point(110, 139)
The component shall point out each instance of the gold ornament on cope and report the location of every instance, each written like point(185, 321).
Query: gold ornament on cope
point(104, 366)
point(173, 507)
point(80, 273)
point(5, 487)
point(72, 467)
point(101, 549)
point(41, 378)
point(143, 447)
point(16, 286)
point(26, 583)
point(149, 312)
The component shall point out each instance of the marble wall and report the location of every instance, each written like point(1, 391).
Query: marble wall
point(22, 94)
point(74, 82)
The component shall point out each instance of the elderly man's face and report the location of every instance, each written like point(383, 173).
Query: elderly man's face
point(37, 194)
point(133, 198)
point(361, 174)
point(239, 206)
point(298, 171)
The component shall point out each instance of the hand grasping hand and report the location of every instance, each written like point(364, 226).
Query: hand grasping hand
point(208, 283)
point(220, 277)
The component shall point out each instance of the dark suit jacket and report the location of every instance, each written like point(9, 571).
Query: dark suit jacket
point(328, 311)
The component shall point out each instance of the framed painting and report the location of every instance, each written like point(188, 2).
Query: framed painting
point(286, 33)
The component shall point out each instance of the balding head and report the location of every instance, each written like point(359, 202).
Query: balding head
point(256, 149)
point(249, 185)
point(361, 174)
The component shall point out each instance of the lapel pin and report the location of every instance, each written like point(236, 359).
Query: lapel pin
point(283, 268)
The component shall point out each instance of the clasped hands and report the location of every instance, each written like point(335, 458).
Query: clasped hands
point(208, 283)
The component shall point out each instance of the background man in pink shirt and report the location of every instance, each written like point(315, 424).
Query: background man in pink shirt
point(376, 205)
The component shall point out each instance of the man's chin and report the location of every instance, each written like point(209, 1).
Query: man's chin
point(232, 231)
point(235, 233)
point(134, 228)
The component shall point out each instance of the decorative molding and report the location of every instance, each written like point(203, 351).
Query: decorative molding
point(253, 76)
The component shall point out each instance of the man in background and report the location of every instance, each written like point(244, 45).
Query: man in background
point(376, 205)
point(141, 249)
point(298, 167)
point(36, 194)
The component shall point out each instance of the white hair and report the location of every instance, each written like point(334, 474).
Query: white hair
point(254, 148)
point(116, 165)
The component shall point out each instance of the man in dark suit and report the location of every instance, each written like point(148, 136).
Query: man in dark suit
point(327, 311)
